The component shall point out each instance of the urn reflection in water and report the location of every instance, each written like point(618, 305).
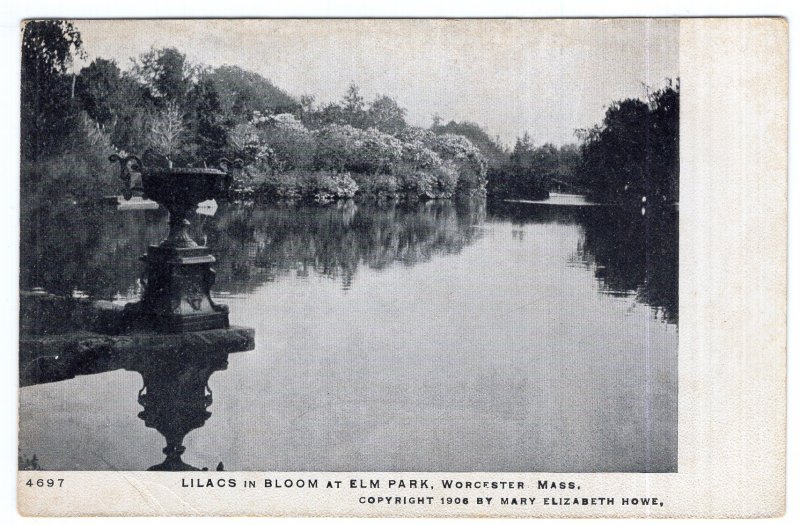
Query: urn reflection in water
point(179, 276)
point(175, 400)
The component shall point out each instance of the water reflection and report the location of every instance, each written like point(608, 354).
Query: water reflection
point(175, 398)
point(261, 244)
point(97, 249)
point(630, 253)
point(65, 248)
point(390, 338)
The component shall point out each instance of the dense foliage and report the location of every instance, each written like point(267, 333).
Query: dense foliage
point(633, 154)
point(61, 145)
point(48, 115)
point(175, 112)
point(531, 172)
point(630, 157)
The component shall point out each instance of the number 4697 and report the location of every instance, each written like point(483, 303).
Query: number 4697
point(45, 482)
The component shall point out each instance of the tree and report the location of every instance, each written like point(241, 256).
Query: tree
point(633, 153)
point(532, 171)
point(106, 94)
point(47, 47)
point(665, 107)
point(386, 115)
point(208, 125)
point(167, 132)
point(98, 88)
point(569, 157)
point(117, 102)
point(166, 74)
point(241, 93)
point(528, 169)
point(353, 107)
point(48, 115)
point(383, 113)
point(326, 115)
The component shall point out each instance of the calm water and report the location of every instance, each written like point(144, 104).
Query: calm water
point(433, 337)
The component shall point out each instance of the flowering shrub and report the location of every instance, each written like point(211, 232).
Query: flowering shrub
point(338, 160)
point(324, 187)
point(318, 186)
point(336, 146)
point(381, 186)
point(291, 145)
point(447, 177)
point(281, 186)
point(247, 145)
point(378, 152)
point(345, 148)
point(464, 156)
point(436, 183)
point(419, 156)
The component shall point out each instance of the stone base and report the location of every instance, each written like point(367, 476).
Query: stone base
point(48, 358)
point(175, 323)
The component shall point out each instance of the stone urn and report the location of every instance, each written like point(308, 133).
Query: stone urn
point(179, 276)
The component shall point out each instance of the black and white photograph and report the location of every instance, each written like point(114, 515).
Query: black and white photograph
point(351, 245)
point(458, 259)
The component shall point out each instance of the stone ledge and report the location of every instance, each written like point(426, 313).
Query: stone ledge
point(48, 358)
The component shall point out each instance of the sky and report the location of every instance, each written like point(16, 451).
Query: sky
point(546, 77)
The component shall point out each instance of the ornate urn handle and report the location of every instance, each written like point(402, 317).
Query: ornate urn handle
point(127, 164)
point(225, 165)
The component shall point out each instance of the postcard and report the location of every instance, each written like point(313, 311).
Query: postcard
point(403, 267)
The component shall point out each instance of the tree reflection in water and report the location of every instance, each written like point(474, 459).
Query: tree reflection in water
point(97, 250)
point(262, 243)
point(94, 249)
point(629, 252)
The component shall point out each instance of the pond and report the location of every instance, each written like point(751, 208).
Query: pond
point(438, 336)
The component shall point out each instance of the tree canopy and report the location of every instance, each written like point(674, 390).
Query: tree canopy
point(47, 119)
point(192, 113)
point(241, 93)
point(633, 153)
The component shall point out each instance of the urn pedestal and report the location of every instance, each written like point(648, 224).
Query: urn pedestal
point(177, 297)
